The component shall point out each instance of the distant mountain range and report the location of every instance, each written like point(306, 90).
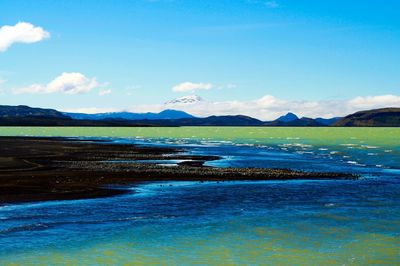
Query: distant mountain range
point(28, 116)
point(166, 114)
point(225, 120)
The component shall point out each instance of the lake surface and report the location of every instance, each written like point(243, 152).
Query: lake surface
point(226, 223)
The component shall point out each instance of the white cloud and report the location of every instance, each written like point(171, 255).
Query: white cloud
point(375, 101)
point(90, 110)
point(22, 32)
point(190, 86)
point(269, 101)
point(225, 86)
point(69, 83)
point(105, 92)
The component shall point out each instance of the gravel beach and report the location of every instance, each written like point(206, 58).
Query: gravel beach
point(37, 169)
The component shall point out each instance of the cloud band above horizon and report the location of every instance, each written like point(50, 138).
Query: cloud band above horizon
point(267, 107)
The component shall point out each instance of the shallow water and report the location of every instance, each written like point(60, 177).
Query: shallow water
point(227, 223)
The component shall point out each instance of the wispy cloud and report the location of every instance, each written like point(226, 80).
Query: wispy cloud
point(68, 83)
point(21, 32)
point(226, 86)
point(105, 92)
point(190, 87)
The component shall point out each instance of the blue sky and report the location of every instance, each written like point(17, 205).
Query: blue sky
point(340, 54)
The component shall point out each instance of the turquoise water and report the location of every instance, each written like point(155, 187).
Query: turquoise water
point(227, 223)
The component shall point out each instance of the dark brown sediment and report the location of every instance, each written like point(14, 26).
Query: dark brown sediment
point(36, 169)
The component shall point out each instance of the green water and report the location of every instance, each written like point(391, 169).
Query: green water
point(233, 245)
point(326, 136)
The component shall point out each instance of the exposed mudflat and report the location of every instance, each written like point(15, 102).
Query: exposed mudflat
point(35, 169)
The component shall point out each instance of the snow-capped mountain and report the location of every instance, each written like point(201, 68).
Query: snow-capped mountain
point(190, 99)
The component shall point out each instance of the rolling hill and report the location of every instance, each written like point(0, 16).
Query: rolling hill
point(25, 111)
point(385, 117)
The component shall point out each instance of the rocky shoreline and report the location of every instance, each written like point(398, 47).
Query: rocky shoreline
point(37, 169)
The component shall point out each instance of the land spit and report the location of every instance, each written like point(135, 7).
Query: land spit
point(37, 169)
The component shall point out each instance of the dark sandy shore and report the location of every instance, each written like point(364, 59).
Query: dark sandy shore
point(35, 169)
